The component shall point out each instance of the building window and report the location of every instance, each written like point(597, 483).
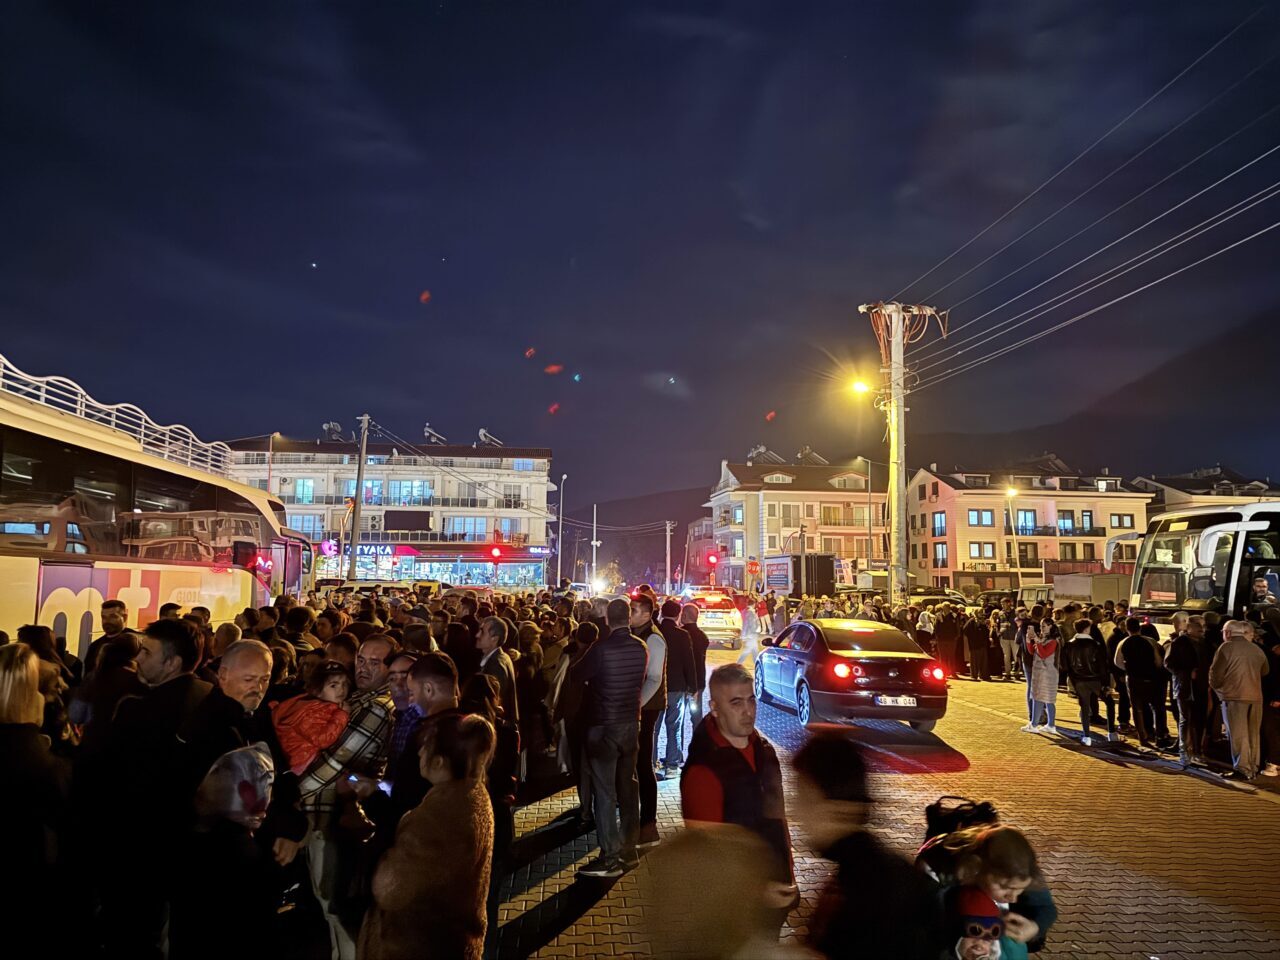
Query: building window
point(304, 490)
point(508, 527)
point(1066, 521)
point(978, 480)
point(1026, 522)
point(261, 484)
point(1028, 555)
point(808, 543)
point(939, 555)
point(522, 465)
point(1068, 551)
point(1086, 519)
point(832, 545)
point(771, 510)
point(777, 478)
point(1108, 486)
point(773, 541)
point(851, 482)
point(940, 524)
point(982, 518)
point(408, 493)
point(737, 546)
point(1127, 551)
point(933, 489)
point(309, 524)
point(982, 551)
point(465, 528)
point(1122, 520)
point(808, 511)
point(791, 514)
point(914, 552)
point(923, 522)
point(1087, 553)
point(737, 511)
point(920, 492)
point(468, 491)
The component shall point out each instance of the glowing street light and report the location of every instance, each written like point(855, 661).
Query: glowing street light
point(859, 386)
point(1012, 492)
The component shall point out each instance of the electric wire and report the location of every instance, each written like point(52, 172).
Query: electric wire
point(947, 349)
point(942, 345)
point(1183, 72)
point(946, 375)
point(1079, 196)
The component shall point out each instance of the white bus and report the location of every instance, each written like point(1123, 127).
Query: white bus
point(98, 502)
point(1225, 559)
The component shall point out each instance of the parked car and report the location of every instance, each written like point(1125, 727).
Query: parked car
point(835, 669)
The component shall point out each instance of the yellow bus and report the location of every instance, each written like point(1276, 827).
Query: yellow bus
point(99, 502)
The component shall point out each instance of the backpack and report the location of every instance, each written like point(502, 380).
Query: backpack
point(950, 813)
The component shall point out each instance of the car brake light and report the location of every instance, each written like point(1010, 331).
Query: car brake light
point(934, 673)
point(844, 670)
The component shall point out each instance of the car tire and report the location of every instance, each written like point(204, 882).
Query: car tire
point(735, 643)
point(923, 726)
point(804, 705)
point(757, 686)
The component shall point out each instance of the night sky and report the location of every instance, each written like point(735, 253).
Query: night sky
point(229, 215)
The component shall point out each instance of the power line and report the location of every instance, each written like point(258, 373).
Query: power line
point(946, 347)
point(1186, 235)
point(1085, 229)
point(1168, 133)
point(1090, 312)
point(1183, 72)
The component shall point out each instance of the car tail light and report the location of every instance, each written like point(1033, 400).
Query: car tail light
point(934, 673)
point(844, 670)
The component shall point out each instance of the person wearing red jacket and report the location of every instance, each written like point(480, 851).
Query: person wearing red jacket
point(313, 721)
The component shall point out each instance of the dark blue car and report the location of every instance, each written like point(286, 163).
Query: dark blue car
point(835, 669)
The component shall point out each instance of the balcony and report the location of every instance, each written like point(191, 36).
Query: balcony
point(725, 519)
point(1082, 531)
point(332, 500)
point(1023, 531)
point(856, 523)
point(431, 536)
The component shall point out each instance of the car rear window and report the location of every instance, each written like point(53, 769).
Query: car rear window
point(882, 641)
point(714, 603)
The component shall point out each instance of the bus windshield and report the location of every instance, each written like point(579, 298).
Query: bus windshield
point(1168, 575)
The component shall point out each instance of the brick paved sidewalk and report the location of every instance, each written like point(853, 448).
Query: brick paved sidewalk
point(1144, 860)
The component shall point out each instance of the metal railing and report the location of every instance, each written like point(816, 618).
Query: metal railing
point(279, 459)
point(174, 443)
point(1043, 530)
point(385, 500)
point(431, 536)
point(858, 523)
point(1082, 531)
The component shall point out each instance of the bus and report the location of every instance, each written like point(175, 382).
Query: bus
point(99, 502)
point(1224, 559)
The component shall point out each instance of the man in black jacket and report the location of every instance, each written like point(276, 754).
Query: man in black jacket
point(1187, 665)
point(733, 776)
point(138, 771)
point(496, 662)
point(613, 668)
point(681, 683)
point(701, 643)
point(1140, 660)
point(1086, 663)
point(877, 904)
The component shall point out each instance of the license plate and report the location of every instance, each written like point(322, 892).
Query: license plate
point(896, 701)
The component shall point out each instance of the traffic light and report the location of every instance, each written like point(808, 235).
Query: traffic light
point(713, 559)
point(496, 553)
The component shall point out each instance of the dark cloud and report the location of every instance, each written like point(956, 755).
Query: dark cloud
point(703, 189)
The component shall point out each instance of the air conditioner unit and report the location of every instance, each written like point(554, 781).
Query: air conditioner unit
point(285, 481)
point(375, 523)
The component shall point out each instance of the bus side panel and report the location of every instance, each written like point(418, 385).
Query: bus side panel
point(70, 594)
point(19, 585)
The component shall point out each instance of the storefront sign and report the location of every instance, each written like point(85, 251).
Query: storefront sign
point(371, 550)
point(539, 551)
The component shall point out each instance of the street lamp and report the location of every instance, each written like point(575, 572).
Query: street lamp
point(868, 463)
point(271, 440)
point(858, 386)
point(1010, 493)
point(560, 532)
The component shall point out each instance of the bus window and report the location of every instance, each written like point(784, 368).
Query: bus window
point(1167, 575)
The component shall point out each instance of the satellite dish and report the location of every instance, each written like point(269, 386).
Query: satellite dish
point(432, 436)
point(488, 438)
point(332, 430)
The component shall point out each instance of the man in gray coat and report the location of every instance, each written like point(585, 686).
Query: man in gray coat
point(1236, 677)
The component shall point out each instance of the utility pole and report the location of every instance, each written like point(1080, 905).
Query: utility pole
point(804, 573)
point(895, 326)
point(560, 532)
point(670, 526)
point(595, 542)
point(359, 498)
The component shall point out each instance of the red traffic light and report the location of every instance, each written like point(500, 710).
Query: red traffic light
point(713, 559)
point(496, 552)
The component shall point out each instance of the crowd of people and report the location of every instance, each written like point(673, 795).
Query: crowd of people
point(371, 748)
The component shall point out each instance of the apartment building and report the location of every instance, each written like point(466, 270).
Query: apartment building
point(1012, 519)
point(1215, 486)
point(442, 512)
point(759, 507)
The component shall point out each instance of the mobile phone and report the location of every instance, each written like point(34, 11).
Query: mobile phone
point(353, 779)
